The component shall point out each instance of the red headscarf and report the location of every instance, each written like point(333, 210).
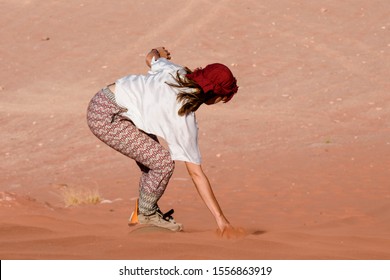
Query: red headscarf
point(217, 78)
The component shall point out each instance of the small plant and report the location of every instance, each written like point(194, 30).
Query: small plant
point(74, 197)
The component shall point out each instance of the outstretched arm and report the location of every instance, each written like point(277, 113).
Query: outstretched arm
point(157, 53)
point(205, 191)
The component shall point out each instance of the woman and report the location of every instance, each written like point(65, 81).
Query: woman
point(130, 114)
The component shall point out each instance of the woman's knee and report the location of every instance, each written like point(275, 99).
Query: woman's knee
point(170, 167)
point(167, 165)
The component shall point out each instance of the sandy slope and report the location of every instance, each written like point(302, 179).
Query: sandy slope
point(300, 158)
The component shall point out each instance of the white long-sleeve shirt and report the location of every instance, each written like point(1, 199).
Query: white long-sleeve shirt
point(152, 106)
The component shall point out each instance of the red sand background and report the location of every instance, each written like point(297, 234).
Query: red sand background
point(300, 157)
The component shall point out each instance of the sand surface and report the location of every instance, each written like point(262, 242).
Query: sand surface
point(300, 158)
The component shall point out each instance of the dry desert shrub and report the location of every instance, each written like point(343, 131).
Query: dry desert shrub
point(73, 197)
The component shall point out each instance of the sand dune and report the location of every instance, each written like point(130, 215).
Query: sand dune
point(300, 158)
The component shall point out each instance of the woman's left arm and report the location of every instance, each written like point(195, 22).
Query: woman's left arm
point(205, 191)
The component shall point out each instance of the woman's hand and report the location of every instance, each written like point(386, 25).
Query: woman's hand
point(231, 232)
point(205, 191)
point(157, 53)
point(163, 52)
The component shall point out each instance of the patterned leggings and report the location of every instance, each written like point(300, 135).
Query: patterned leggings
point(106, 123)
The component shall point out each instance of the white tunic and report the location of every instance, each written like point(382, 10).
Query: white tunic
point(152, 106)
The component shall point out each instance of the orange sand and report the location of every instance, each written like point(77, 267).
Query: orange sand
point(300, 158)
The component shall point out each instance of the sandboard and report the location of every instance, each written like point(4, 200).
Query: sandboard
point(133, 221)
point(142, 229)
